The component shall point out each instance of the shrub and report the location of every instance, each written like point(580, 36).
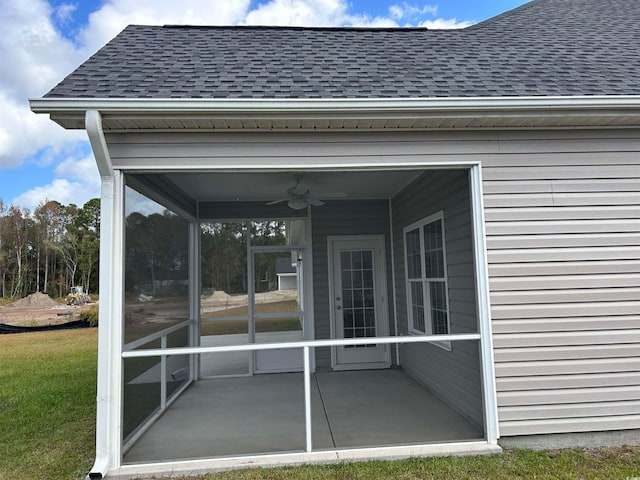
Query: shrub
point(91, 316)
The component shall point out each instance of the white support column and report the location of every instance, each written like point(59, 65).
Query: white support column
point(104, 397)
point(393, 285)
point(251, 297)
point(110, 309)
point(194, 297)
point(484, 307)
point(163, 374)
point(307, 280)
point(109, 381)
point(115, 297)
point(307, 399)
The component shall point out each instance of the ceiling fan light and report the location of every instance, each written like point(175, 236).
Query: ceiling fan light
point(297, 204)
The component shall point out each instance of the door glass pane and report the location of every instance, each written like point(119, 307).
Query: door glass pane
point(358, 295)
point(224, 319)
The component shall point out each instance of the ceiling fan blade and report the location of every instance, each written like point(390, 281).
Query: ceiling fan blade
point(278, 201)
point(314, 201)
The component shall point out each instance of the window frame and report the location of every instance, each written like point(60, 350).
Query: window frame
point(425, 281)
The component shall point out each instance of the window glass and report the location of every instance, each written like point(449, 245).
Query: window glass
point(414, 263)
point(428, 309)
point(417, 306)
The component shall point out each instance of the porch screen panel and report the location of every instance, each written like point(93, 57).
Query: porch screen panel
point(224, 307)
point(156, 267)
point(177, 371)
point(156, 285)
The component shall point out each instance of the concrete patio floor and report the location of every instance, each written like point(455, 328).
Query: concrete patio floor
point(265, 414)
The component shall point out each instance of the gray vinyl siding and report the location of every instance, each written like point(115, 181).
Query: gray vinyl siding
point(563, 239)
point(452, 375)
point(364, 217)
point(562, 217)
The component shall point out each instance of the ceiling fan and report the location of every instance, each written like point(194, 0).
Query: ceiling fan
point(299, 196)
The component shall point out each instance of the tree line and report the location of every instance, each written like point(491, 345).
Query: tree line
point(224, 255)
point(50, 249)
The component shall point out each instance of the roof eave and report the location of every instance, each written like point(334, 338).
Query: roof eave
point(495, 111)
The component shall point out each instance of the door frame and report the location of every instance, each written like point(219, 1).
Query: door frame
point(382, 320)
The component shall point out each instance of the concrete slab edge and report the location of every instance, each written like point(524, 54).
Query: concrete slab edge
point(197, 467)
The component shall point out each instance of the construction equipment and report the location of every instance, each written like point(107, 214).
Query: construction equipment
point(77, 296)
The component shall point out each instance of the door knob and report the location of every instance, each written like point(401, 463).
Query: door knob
point(338, 307)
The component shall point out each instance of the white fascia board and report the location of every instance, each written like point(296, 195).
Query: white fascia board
point(338, 106)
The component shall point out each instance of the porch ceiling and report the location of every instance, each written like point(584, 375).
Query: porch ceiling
point(270, 186)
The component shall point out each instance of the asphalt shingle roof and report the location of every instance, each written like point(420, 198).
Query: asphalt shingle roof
point(546, 47)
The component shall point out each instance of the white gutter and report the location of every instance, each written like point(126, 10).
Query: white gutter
point(338, 105)
point(93, 124)
point(102, 464)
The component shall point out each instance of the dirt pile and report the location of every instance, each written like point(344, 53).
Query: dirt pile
point(218, 297)
point(38, 299)
point(223, 299)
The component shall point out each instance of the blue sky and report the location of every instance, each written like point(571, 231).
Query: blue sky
point(44, 40)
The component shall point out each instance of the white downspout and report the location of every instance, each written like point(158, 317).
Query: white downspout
point(93, 125)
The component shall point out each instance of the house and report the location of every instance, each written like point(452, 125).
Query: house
point(287, 274)
point(468, 236)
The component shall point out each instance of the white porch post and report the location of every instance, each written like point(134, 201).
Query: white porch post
point(194, 296)
point(484, 307)
point(109, 387)
point(109, 381)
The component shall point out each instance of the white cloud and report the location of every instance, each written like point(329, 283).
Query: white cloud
point(298, 13)
point(114, 15)
point(365, 21)
point(403, 10)
point(79, 183)
point(34, 55)
point(23, 133)
point(64, 12)
point(83, 170)
point(445, 24)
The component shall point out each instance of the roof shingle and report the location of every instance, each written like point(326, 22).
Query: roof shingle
point(544, 48)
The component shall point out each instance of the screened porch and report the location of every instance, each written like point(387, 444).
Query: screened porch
point(372, 342)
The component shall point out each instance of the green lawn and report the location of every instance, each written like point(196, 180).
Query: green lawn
point(47, 410)
point(47, 404)
point(615, 464)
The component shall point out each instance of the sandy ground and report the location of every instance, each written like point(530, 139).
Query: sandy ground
point(36, 316)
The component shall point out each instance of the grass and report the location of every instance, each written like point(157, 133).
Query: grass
point(277, 324)
point(228, 327)
point(6, 301)
point(47, 404)
point(47, 412)
point(612, 463)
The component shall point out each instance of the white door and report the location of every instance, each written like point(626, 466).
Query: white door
point(358, 300)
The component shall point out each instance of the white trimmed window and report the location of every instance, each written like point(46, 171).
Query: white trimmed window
point(426, 271)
